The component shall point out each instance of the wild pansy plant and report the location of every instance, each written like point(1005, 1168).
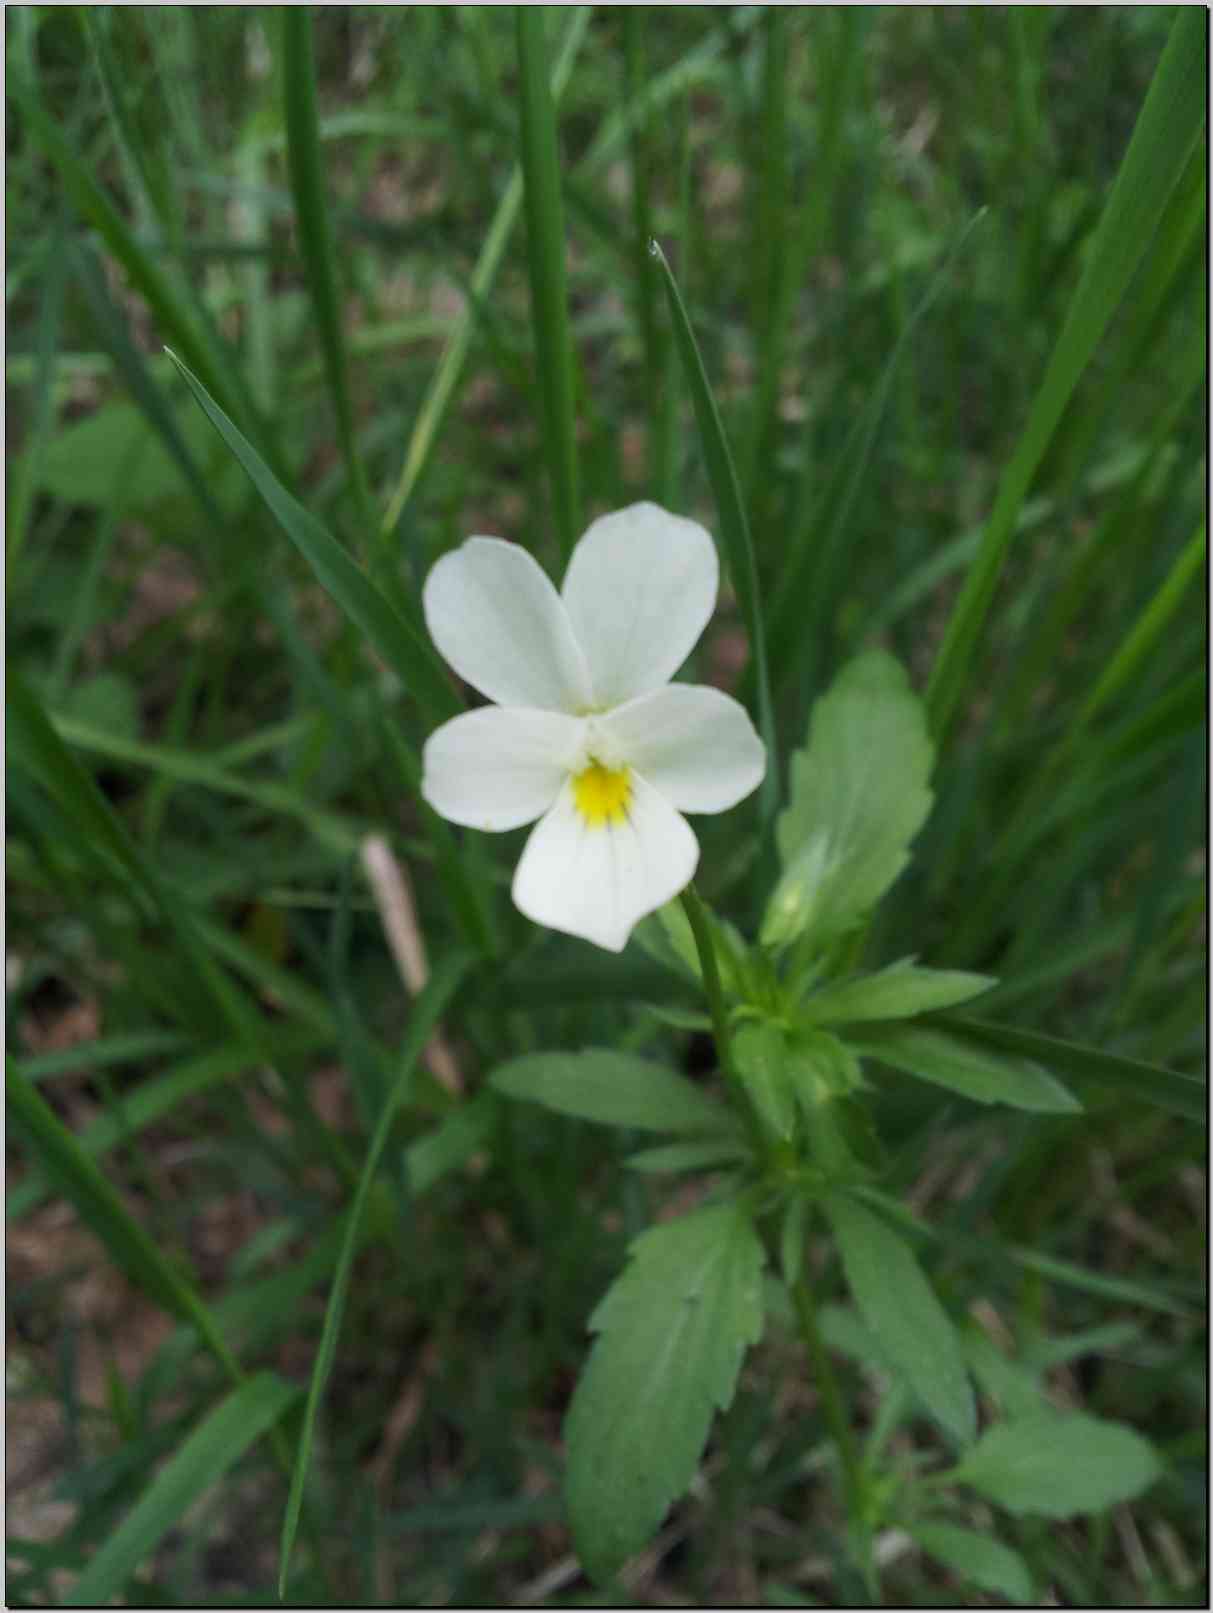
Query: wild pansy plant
point(588, 736)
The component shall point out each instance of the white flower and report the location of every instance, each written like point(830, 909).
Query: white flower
point(587, 733)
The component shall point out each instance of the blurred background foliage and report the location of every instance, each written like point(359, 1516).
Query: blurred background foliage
point(878, 218)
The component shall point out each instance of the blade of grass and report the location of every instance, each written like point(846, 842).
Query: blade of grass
point(441, 390)
point(642, 231)
point(188, 767)
point(1148, 629)
point(427, 1009)
point(201, 1461)
point(98, 1205)
point(401, 646)
point(734, 527)
point(812, 570)
point(315, 232)
point(1149, 1083)
point(76, 793)
point(545, 243)
point(166, 303)
point(1166, 130)
point(23, 476)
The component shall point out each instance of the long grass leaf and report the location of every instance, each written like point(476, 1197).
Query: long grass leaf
point(202, 1460)
point(315, 230)
point(545, 259)
point(426, 1011)
point(359, 598)
point(1181, 1094)
point(734, 526)
point(1166, 130)
point(441, 390)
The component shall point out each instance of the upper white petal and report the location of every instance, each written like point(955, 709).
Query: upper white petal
point(599, 882)
point(499, 767)
point(497, 619)
point(640, 589)
point(694, 744)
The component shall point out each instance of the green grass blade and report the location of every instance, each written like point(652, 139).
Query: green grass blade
point(98, 1205)
point(35, 742)
point(141, 383)
point(190, 767)
point(1166, 131)
point(545, 259)
point(315, 231)
point(401, 646)
point(1149, 1083)
point(734, 526)
point(1148, 628)
point(445, 379)
point(176, 319)
point(202, 1460)
point(426, 1011)
point(23, 476)
point(816, 551)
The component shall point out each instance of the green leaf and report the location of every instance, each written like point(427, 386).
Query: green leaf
point(692, 1156)
point(975, 1557)
point(900, 1307)
point(370, 611)
point(760, 1054)
point(208, 1453)
point(100, 1208)
point(734, 525)
point(858, 797)
point(967, 1066)
point(546, 250)
point(673, 1331)
point(426, 1011)
point(441, 390)
point(78, 465)
point(1166, 130)
point(1054, 1465)
point(897, 992)
point(1182, 1094)
point(615, 1089)
point(312, 222)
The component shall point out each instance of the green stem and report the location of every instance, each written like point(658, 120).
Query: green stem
point(828, 1388)
point(697, 917)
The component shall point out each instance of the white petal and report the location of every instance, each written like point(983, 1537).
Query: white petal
point(498, 767)
point(598, 882)
point(694, 744)
point(640, 589)
point(497, 619)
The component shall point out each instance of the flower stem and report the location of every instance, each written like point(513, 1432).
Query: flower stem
point(828, 1388)
point(697, 918)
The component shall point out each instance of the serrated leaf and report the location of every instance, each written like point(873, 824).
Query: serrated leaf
point(900, 1307)
point(975, 1557)
point(898, 992)
point(858, 797)
point(692, 1156)
point(1054, 1466)
point(615, 1089)
point(673, 1331)
point(966, 1066)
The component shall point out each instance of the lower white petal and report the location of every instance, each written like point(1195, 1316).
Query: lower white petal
point(499, 767)
point(599, 881)
point(694, 744)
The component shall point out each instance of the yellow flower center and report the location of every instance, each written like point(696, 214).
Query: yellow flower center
point(601, 794)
